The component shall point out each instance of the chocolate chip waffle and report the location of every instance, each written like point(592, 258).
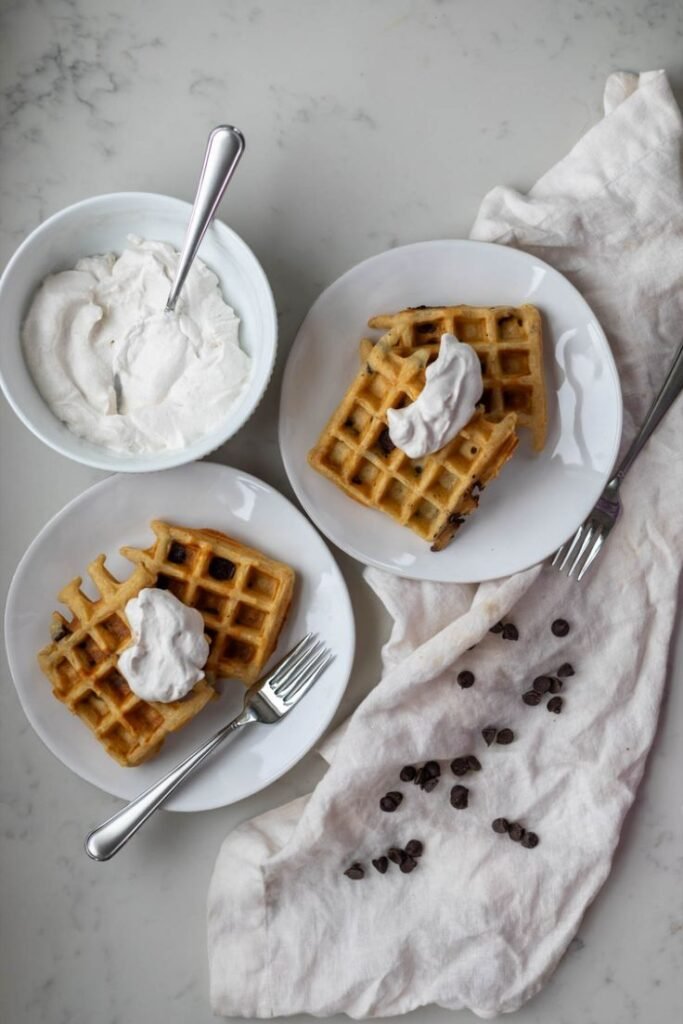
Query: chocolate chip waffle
point(432, 495)
point(81, 663)
point(509, 343)
point(243, 595)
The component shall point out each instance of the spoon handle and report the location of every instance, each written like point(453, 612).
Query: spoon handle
point(223, 152)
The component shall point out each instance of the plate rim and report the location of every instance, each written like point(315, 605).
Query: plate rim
point(125, 478)
point(343, 542)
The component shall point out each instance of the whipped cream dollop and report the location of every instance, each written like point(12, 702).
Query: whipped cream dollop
point(118, 370)
point(169, 649)
point(445, 405)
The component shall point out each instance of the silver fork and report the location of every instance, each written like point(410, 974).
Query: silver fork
point(578, 554)
point(267, 701)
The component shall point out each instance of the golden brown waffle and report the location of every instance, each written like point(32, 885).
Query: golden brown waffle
point(431, 495)
point(81, 663)
point(509, 343)
point(243, 595)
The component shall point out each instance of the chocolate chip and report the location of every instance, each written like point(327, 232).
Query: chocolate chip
point(500, 825)
point(408, 773)
point(541, 684)
point(417, 470)
point(560, 627)
point(489, 734)
point(395, 855)
point(505, 736)
point(459, 797)
point(565, 670)
point(429, 785)
point(407, 865)
point(414, 848)
point(554, 705)
point(532, 698)
point(555, 685)
point(460, 766)
point(530, 839)
point(516, 832)
point(432, 769)
point(177, 553)
point(221, 568)
point(390, 801)
point(381, 864)
point(356, 871)
point(466, 679)
point(498, 628)
point(456, 520)
point(385, 442)
point(473, 763)
point(510, 632)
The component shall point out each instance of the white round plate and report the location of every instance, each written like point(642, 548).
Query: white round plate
point(117, 511)
point(538, 500)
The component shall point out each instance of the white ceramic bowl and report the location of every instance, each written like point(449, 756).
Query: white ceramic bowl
point(102, 224)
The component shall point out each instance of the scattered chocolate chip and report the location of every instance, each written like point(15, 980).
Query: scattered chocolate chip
point(395, 855)
point(560, 627)
point(554, 705)
point(510, 632)
point(565, 670)
point(505, 736)
point(460, 766)
point(408, 773)
point(473, 763)
point(532, 698)
point(429, 785)
point(489, 734)
point(465, 679)
point(58, 631)
point(221, 568)
point(356, 871)
point(500, 825)
point(432, 769)
point(407, 865)
point(541, 684)
point(417, 470)
point(516, 832)
point(390, 801)
point(459, 797)
point(177, 553)
point(555, 685)
point(385, 442)
point(455, 520)
point(498, 628)
point(381, 864)
point(414, 848)
point(530, 839)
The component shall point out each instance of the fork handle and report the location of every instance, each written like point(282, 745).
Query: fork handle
point(668, 393)
point(108, 839)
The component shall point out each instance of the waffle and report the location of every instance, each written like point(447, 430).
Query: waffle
point(432, 495)
point(81, 665)
point(243, 595)
point(509, 343)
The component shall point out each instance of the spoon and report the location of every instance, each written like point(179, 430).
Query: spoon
point(223, 152)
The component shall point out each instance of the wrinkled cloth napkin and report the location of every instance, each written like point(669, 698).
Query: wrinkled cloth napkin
point(482, 922)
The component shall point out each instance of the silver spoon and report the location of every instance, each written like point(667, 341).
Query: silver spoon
point(223, 152)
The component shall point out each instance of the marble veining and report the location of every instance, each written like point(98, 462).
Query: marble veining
point(368, 126)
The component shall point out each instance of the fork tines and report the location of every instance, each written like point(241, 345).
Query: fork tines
point(576, 555)
point(299, 670)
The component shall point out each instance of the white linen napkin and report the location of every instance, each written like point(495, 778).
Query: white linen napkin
point(482, 921)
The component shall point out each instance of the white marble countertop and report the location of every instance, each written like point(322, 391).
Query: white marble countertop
point(368, 124)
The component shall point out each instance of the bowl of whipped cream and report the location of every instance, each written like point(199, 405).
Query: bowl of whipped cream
point(95, 367)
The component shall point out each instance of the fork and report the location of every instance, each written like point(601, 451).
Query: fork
point(578, 554)
point(267, 701)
